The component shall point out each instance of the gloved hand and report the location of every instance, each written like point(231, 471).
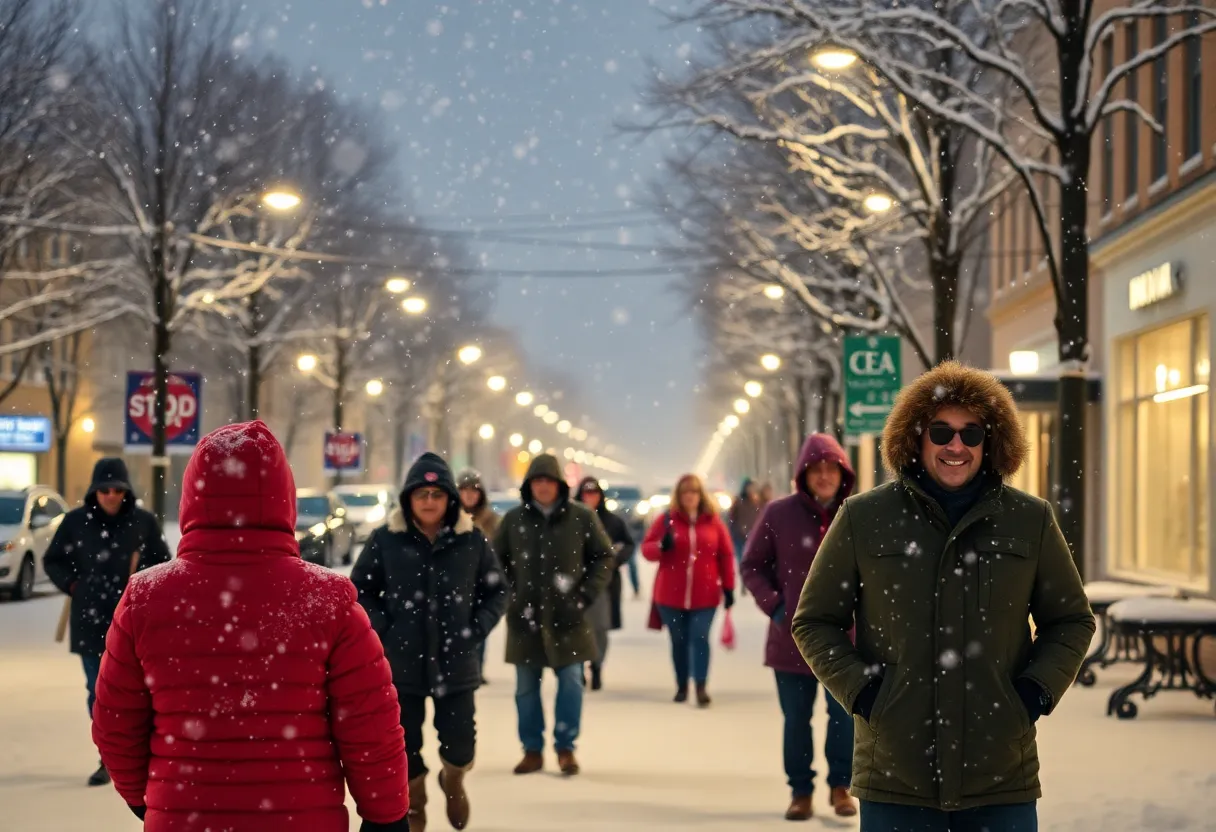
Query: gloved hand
point(778, 615)
point(864, 703)
point(402, 825)
point(1034, 698)
point(728, 598)
point(668, 542)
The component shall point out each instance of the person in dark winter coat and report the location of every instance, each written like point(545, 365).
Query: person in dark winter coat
point(476, 502)
point(96, 549)
point(433, 590)
point(696, 573)
point(743, 514)
point(242, 688)
point(775, 566)
point(942, 570)
point(605, 613)
point(558, 560)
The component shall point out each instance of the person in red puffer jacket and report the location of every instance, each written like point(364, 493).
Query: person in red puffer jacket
point(696, 573)
point(241, 687)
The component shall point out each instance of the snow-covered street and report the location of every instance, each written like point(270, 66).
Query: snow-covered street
point(648, 764)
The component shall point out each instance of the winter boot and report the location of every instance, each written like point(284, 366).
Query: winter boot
point(451, 780)
point(597, 677)
point(703, 699)
point(842, 802)
point(417, 813)
point(532, 762)
point(101, 777)
point(681, 693)
point(800, 808)
point(567, 763)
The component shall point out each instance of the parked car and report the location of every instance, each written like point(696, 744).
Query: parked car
point(323, 528)
point(503, 501)
point(367, 506)
point(28, 520)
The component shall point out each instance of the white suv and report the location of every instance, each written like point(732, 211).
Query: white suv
point(367, 506)
point(28, 520)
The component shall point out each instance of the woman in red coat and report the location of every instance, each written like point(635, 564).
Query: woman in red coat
point(696, 573)
point(242, 687)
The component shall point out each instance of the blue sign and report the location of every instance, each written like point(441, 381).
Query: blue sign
point(183, 411)
point(25, 434)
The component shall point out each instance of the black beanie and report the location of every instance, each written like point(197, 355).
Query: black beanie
point(430, 470)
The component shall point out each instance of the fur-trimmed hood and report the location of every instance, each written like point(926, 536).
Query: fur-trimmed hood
point(398, 524)
point(953, 384)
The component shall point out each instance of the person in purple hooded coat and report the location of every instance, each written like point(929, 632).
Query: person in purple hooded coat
point(775, 565)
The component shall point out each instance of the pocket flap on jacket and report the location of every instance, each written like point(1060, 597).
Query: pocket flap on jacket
point(1003, 545)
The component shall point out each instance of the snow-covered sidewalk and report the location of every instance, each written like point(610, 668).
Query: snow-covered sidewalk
point(648, 764)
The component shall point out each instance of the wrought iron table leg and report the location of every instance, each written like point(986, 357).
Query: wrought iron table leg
point(1119, 704)
point(1086, 676)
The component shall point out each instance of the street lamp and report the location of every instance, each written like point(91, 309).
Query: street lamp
point(774, 292)
point(563, 426)
point(833, 58)
point(470, 354)
point(742, 406)
point(878, 203)
point(536, 446)
point(486, 431)
point(375, 387)
point(551, 417)
point(281, 199)
point(496, 383)
point(524, 398)
point(306, 363)
point(88, 425)
point(770, 362)
point(397, 285)
point(540, 410)
point(753, 389)
point(731, 421)
point(516, 440)
point(414, 305)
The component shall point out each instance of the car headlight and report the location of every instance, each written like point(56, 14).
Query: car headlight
point(642, 508)
point(612, 505)
point(318, 529)
point(301, 534)
point(724, 502)
point(375, 515)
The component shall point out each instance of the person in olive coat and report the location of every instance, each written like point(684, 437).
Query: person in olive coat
point(558, 561)
point(605, 613)
point(94, 552)
point(433, 589)
point(942, 569)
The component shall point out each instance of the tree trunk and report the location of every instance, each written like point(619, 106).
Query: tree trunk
point(254, 370)
point(61, 461)
point(339, 394)
point(161, 340)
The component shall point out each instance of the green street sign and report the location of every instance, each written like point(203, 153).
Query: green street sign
point(872, 377)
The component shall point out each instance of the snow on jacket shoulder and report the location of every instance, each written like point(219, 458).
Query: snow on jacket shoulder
point(242, 687)
point(688, 579)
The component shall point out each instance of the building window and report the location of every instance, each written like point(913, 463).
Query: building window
point(1162, 478)
point(1193, 78)
point(1108, 144)
point(1131, 121)
point(1161, 86)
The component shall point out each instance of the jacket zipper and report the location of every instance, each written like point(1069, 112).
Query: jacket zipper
point(692, 554)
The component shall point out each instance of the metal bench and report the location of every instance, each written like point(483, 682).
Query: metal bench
point(1111, 648)
point(1175, 621)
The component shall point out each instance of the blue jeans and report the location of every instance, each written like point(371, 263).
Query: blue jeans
point(796, 692)
point(481, 658)
point(568, 710)
point(633, 573)
point(689, 631)
point(890, 817)
point(92, 668)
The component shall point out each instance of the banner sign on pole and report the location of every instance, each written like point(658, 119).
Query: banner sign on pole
point(183, 412)
point(872, 377)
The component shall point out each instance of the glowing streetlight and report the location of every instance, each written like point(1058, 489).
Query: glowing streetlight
point(578, 435)
point(774, 292)
point(516, 440)
point(877, 203)
point(414, 305)
point(742, 406)
point(1023, 362)
point(281, 199)
point(397, 285)
point(563, 426)
point(486, 431)
point(731, 421)
point(770, 362)
point(753, 389)
point(834, 59)
point(496, 383)
point(568, 453)
point(88, 425)
point(306, 363)
point(541, 410)
point(375, 387)
point(536, 446)
point(524, 398)
point(551, 417)
point(469, 354)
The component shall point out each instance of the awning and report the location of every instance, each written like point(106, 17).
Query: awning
point(1044, 388)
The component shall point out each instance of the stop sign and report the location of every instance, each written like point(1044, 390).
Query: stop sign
point(343, 451)
point(181, 408)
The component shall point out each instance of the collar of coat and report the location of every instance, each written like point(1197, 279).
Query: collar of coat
point(398, 525)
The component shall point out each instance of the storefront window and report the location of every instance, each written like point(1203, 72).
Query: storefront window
point(1162, 466)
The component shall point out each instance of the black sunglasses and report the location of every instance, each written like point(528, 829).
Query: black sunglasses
point(943, 434)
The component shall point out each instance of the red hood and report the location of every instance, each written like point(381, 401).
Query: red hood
point(238, 478)
point(821, 446)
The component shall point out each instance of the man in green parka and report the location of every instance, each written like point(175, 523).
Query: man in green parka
point(557, 559)
point(942, 570)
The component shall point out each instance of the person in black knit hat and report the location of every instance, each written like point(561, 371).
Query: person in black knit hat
point(96, 549)
point(433, 589)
